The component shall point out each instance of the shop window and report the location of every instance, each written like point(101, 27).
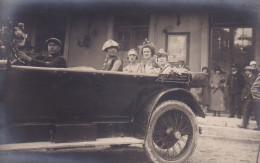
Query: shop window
point(131, 31)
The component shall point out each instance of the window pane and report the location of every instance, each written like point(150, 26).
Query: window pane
point(243, 49)
point(123, 38)
point(139, 36)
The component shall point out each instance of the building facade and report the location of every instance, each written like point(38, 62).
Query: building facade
point(201, 35)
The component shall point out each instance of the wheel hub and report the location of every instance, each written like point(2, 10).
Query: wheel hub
point(177, 135)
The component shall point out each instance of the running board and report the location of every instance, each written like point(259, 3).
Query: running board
point(49, 145)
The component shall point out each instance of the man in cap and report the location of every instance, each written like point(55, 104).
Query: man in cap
point(246, 96)
point(53, 58)
point(235, 83)
point(112, 62)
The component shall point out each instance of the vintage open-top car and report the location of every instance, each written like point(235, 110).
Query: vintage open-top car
point(65, 105)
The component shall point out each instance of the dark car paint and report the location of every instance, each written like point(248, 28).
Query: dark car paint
point(39, 99)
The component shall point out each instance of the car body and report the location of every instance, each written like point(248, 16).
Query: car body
point(41, 104)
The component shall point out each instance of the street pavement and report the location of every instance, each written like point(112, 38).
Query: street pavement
point(221, 141)
point(224, 127)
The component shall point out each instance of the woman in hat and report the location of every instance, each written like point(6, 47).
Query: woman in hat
point(217, 84)
point(162, 58)
point(112, 62)
point(148, 64)
point(133, 65)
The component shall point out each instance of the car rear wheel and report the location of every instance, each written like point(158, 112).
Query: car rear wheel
point(172, 133)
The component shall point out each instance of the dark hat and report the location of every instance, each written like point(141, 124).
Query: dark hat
point(217, 68)
point(55, 40)
point(234, 65)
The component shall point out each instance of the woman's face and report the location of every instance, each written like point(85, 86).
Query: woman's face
point(147, 53)
point(217, 72)
point(112, 51)
point(132, 58)
point(162, 60)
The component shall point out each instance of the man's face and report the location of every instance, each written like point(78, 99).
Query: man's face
point(247, 72)
point(53, 48)
point(253, 65)
point(112, 51)
point(132, 58)
point(233, 69)
point(147, 53)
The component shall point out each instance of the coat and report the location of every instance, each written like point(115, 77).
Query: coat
point(217, 83)
point(235, 83)
point(255, 90)
point(249, 80)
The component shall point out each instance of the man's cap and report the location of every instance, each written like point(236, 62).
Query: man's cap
point(250, 68)
point(57, 41)
point(110, 43)
point(252, 63)
point(234, 65)
point(132, 52)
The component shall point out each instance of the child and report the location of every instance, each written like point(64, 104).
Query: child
point(132, 57)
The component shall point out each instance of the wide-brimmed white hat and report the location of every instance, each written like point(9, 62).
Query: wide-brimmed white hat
point(110, 43)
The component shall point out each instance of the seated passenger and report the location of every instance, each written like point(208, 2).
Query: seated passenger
point(162, 57)
point(53, 58)
point(112, 62)
point(148, 64)
point(132, 57)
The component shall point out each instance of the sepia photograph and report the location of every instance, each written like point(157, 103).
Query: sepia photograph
point(130, 81)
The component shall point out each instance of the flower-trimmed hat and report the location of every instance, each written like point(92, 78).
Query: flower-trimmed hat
point(108, 44)
point(162, 53)
point(55, 40)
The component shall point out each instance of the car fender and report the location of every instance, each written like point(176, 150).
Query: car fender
point(142, 117)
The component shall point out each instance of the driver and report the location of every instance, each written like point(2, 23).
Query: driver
point(53, 58)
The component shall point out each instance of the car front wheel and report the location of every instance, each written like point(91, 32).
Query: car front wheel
point(172, 133)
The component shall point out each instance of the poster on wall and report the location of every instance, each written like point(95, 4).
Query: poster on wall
point(177, 45)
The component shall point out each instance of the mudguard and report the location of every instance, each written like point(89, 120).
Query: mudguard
point(142, 117)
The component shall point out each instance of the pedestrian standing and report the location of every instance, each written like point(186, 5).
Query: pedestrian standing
point(206, 92)
point(255, 91)
point(246, 96)
point(235, 83)
point(217, 84)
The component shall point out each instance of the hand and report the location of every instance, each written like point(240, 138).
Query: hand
point(23, 56)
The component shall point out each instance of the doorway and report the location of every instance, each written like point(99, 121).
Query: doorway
point(231, 45)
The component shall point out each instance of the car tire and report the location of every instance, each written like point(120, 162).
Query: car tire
point(172, 133)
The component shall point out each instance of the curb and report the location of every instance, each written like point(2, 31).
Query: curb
point(230, 133)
